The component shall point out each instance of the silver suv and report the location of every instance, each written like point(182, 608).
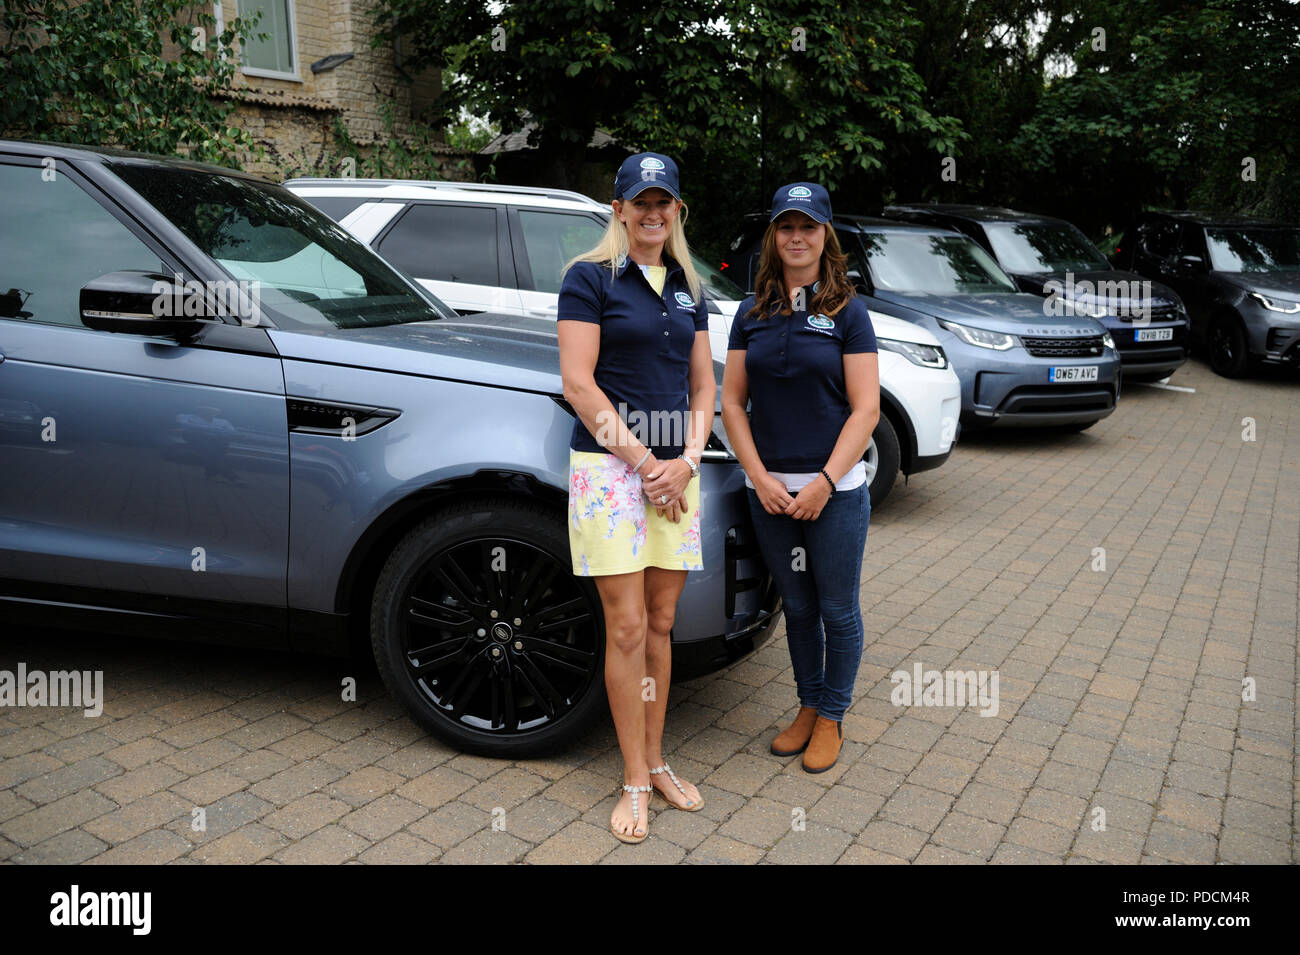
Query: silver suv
point(338, 460)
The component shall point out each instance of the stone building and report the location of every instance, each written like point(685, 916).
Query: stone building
point(315, 66)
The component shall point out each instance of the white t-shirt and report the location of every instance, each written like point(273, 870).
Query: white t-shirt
point(797, 481)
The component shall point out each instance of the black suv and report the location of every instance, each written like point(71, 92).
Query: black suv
point(1050, 256)
point(1240, 278)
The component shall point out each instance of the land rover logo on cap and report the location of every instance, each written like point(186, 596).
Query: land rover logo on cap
point(651, 163)
point(684, 300)
point(821, 321)
point(796, 192)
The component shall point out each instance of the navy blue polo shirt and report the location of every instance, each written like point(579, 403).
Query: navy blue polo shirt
point(644, 366)
point(795, 365)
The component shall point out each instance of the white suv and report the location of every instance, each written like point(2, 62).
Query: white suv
point(501, 249)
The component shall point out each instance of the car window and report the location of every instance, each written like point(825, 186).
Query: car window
point(553, 238)
point(307, 271)
point(717, 286)
point(937, 264)
point(852, 250)
point(1158, 237)
point(1042, 247)
point(1192, 240)
point(745, 252)
point(55, 238)
point(445, 243)
point(336, 207)
point(1254, 249)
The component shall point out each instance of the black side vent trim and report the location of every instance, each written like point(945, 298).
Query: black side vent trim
point(308, 416)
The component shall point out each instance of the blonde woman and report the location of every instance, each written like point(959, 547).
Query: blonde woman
point(634, 347)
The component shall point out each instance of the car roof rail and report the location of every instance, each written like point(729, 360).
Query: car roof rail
point(489, 187)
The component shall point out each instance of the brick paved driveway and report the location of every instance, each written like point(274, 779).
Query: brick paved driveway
point(1121, 690)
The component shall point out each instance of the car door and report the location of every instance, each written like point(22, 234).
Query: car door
point(1156, 244)
point(1192, 281)
point(1161, 245)
point(146, 468)
point(458, 251)
point(543, 240)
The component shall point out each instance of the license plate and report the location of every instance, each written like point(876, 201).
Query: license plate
point(1153, 335)
point(1063, 374)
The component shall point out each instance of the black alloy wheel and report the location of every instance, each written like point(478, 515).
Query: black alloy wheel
point(1227, 347)
point(482, 631)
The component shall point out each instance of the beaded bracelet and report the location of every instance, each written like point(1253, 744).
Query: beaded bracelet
point(829, 481)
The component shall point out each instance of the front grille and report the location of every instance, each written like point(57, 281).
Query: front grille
point(1044, 399)
point(1280, 337)
point(1158, 313)
point(1152, 353)
point(739, 547)
point(1085, 347)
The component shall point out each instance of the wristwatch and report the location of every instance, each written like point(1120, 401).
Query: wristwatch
point(695, 468)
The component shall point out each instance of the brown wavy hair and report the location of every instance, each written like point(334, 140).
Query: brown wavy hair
point(770, 294)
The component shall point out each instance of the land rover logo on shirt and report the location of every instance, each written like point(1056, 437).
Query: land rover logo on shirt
point(684, 300)
point(822, 322)
point(651, 163)
point(799, 192)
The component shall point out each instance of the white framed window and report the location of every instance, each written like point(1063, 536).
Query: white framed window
point(276, 56)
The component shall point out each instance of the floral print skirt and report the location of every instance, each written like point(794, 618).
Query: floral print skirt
point(613, 529)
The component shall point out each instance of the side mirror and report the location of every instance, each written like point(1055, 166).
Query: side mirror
point(1191, 263)
point(140, 303)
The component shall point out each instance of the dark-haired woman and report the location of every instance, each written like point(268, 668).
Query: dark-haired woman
point(802, 353)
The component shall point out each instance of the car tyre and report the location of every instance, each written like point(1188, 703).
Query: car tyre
point(483, 633)
point(1227, 347)
point(882, 460)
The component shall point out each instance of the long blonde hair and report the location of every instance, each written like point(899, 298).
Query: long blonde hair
point(613, 248)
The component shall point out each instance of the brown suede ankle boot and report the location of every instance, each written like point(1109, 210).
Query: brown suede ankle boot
point(792, 741)
point(824, 747)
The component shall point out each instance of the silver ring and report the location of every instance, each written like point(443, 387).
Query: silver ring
point(663, 498)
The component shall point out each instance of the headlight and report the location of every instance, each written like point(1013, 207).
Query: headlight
point(929, 356)
point(979, 336)
point(1276, 305)
point(1107, 340)
point(1081, 307)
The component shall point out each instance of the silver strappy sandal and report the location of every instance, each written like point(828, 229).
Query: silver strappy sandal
point(632, 839)
point(689, 807)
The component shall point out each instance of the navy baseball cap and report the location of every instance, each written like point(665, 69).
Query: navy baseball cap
point(646, 171)
point(806, 197)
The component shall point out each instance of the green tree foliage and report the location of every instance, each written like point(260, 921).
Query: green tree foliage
point(743, 95)
point(1169, 112)
point(98, 72)
point(983, 61)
